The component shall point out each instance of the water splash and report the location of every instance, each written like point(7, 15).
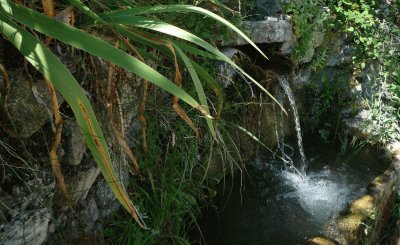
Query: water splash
point(321, 194)
point(288, 91)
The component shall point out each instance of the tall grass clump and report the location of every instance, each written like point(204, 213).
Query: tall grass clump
point(129, 36)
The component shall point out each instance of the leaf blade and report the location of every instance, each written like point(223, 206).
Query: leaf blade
point(53, 70)
point(86, 42)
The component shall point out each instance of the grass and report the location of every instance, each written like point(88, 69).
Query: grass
point(130, 23)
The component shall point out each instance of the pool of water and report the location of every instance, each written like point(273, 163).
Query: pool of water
point(274, 205)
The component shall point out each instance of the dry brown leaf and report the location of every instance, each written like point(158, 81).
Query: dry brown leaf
point(178, 81)
point(48, 8)
point(111, 94)
point(142, 106)
point(55, 163)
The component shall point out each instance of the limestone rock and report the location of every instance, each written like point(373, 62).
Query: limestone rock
point(80, 183)
point(226, 72)
point(28, 103)
point(358, 123)
point(272, 30)
point(73, 142)
point(341, 53)
point(302, 76)
point(28, 228)
point(105, 199)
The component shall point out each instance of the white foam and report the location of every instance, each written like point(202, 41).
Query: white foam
point(321, 194)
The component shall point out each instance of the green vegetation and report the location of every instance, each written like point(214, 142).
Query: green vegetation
point(330, 95)
point(172, 177)
point(372, 29)
point(173, 165)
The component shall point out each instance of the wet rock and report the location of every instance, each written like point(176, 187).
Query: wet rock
point(365, 217)
point(272, 30)
point(73, 142)
point(320, 241)
point(28, 228)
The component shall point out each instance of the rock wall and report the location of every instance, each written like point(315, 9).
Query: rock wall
point(32, 211)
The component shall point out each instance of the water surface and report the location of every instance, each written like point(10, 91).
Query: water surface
point(274, 205)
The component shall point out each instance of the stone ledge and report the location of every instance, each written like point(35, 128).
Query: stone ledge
point(271, 30)
point(364, 218)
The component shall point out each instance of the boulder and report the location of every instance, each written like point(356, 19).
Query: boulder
point(27, 228)
point(271, 30)
point(73, 143)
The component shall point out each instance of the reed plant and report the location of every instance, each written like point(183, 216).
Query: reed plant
point(127, 34)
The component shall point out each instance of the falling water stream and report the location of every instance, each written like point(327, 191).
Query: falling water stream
point(288, 91)
point(281, 204)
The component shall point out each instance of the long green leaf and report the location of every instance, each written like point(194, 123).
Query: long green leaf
point(213, 84)
point(199, 87)
point(179, 9)
point(95, 46)
point(53, 70)
point(125, 17)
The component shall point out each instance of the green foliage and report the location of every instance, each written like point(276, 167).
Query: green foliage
point(173, 50)
point(326, 94)
point(373, 29)
point(175, 183)
point(308, 17)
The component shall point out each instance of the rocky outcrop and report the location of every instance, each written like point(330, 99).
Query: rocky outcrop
point(73, 143)
point(28, 228)
point(28, 104)
point(271, 30)
point(33, 213)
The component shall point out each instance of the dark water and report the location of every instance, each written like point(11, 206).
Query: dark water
point(274, 206)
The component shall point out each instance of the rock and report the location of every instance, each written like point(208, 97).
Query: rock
point(358, 123)
point(302, 77)
point(29, 104)
point(341, 53)
point(264, 31)
point(129, 95)
point(307, 56)
point(226, 72)
point(28, 228)
point(364, 219)
point(88, 217)
point(73, 142)
point(80, 183)
point(106, 201)
point(394, 149)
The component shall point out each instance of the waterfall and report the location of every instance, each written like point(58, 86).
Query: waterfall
point(286, 88)
point(280, 140)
